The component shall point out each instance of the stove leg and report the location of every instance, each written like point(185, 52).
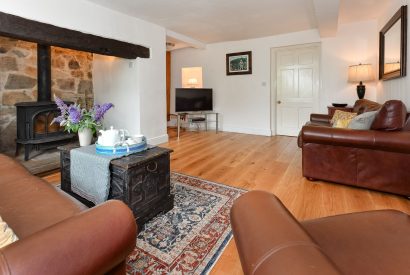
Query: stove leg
point(27, 149)
point(17, 150)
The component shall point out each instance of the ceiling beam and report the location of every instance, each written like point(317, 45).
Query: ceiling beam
point(327, 16)
point(186, 40)
point(50, 35)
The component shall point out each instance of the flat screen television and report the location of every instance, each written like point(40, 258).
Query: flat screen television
point(193, 100)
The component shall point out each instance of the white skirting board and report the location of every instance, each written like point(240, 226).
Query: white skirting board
point(243, 130)
point(230, 128)
point(158, 140)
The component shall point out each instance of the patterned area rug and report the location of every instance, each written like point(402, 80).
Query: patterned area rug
point(191, 237)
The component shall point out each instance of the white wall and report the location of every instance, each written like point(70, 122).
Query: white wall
point(395, 88)
point(245, 101)
point(242, 100)
point(152, 87)
point(111, 75)
point(355, 43)
point(90, 18)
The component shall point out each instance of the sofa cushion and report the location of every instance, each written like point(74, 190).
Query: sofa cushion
point(363, 121)
point(342, 123)
point(7, 235)
point(342, 119)
point(391, 117)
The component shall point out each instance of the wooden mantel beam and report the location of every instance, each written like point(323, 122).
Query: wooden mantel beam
point(46, 34)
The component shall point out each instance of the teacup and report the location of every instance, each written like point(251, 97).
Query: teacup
point(131, 141)
point(138, 138)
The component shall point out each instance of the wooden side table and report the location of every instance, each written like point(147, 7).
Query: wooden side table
point(331, 109)
point(141, 180)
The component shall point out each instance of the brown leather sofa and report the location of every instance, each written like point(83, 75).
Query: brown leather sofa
point(376, 159)
point(271, 241)
point(58, 235)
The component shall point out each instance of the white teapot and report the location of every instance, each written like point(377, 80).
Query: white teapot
point(110, 137)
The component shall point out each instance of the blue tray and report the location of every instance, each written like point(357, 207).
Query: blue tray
point(120, 150)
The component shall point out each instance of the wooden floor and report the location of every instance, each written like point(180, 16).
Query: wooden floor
point(272, 164)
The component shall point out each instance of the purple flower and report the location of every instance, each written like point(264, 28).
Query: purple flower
point(74, 114)
point(58, 119)
point(100, 110)
point(60, 104)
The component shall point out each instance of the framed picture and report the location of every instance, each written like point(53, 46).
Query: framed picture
point(239, 63)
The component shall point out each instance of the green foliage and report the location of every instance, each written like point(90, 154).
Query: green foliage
point(87, 121)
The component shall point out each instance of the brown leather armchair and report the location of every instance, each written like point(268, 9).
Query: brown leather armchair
point(271, 241)
point(58, 235)
point(375, 159)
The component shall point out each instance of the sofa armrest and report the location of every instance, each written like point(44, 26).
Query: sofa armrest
point(95, 241)
point(320, 118)
point(271, 241)
point(393, 141)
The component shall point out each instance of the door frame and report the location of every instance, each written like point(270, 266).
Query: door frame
point(168, 83)
point(273, 77)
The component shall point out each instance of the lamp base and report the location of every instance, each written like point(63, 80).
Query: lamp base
point(361, 90)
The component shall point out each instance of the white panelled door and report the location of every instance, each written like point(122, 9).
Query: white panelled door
point(297, 90)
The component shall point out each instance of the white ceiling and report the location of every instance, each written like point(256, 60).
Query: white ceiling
point(362, 10)
point(211, 21)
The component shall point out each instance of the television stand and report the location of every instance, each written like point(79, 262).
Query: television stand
point(196, 117)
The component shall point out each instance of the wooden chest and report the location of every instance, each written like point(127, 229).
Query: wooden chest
point(141, 180)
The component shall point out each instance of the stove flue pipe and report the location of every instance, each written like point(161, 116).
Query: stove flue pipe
point(44, 73)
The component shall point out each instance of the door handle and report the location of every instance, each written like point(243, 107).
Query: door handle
point(279, 102)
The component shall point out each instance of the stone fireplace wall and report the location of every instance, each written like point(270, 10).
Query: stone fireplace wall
point(71, 73)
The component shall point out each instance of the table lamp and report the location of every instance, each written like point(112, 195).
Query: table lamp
point(193, 82)
point(360, 73)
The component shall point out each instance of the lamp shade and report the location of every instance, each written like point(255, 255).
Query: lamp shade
point(361, 72)
point(192, 81)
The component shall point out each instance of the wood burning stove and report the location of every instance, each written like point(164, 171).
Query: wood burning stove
point(34, 128)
